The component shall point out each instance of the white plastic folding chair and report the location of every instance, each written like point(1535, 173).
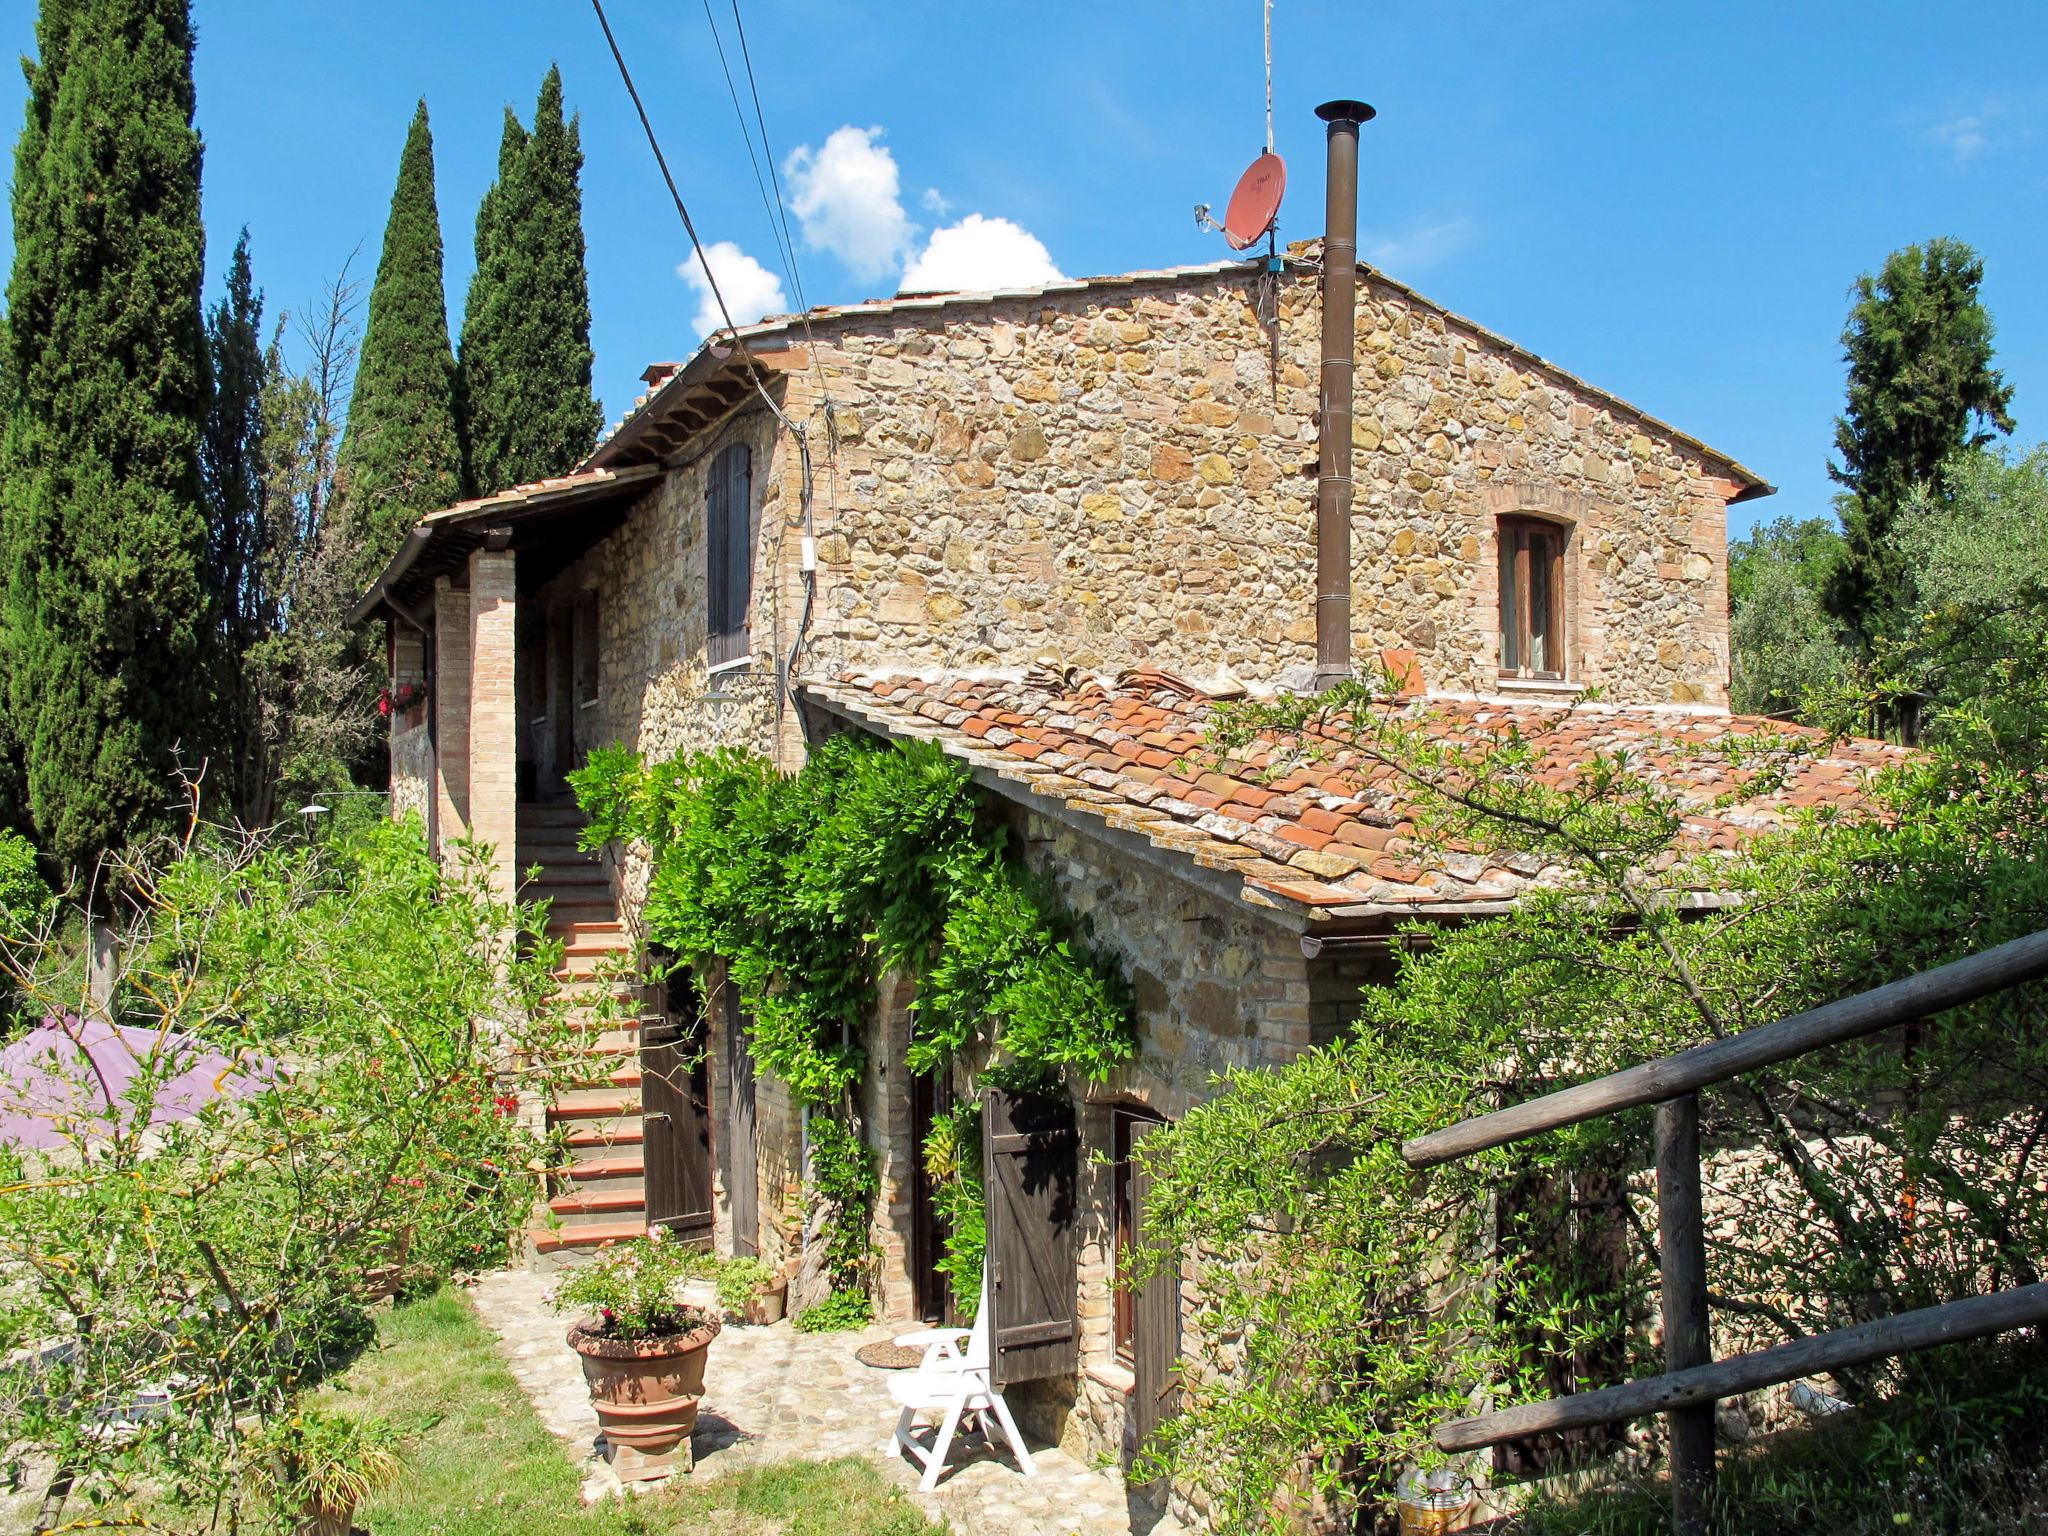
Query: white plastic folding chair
point(954, 1381)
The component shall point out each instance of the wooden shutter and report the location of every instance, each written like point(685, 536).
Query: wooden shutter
point(1155, 1341)
point(1031, 1169)
point(729, 563)
point(675, 1107)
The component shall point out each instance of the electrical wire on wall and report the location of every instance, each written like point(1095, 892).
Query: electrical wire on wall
point(786, 248)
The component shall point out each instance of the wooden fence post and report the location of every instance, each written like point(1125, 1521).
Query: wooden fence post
point(1682, 1251)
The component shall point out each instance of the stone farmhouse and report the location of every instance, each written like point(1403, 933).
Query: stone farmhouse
point(1047, 528)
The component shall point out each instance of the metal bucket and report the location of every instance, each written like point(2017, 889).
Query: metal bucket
point(1433, 1503)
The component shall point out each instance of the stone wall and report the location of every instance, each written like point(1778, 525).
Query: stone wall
point(655, 692)
point(1125, 476)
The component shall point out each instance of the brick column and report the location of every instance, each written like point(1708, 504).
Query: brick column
point(451, 712)
point(493, 716)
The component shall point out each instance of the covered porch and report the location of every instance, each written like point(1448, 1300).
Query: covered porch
point(494, 658)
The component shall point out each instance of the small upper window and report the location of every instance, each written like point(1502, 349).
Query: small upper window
point(1531, 598)
point(729, 572)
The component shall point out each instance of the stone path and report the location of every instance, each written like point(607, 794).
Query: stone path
point(772, 1394)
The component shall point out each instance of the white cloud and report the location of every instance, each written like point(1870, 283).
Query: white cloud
point(980, 253)
point(750, 289)
point(848, 197)
point(935, 203)
point(1965, 137)
point(1418, 248)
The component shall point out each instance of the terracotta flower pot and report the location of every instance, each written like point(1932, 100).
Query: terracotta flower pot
point(645, 1392)
point(768, 1304)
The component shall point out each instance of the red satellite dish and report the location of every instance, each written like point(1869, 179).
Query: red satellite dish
point(1256, 202)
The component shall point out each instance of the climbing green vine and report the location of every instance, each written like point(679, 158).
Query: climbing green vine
point(811, 886)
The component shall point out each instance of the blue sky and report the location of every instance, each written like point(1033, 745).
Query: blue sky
point(1670, 201)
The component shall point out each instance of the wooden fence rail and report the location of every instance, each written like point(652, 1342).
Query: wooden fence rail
point(1979, 1317)
point(1691, 1383)
point(1900, 1002)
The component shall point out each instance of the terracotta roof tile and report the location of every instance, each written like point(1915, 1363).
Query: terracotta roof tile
point(1336, 832)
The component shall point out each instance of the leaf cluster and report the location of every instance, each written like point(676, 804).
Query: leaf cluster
point(872, 859)
point(192, 1278)
point(1347, 1303)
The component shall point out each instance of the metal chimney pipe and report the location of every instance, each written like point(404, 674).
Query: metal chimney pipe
point(1333, 488)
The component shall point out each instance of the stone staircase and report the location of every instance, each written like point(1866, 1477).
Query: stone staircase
point(601, 1195)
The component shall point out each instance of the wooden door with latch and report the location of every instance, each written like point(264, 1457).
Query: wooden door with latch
point(675, 1113)
point(1031, 1169)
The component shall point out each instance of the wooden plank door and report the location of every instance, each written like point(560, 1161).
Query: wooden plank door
point(1155, 1321)
point(743, 1153)
point(1031, 1169)
point(675, 1110)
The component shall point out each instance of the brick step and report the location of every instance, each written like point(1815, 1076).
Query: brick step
point(581, 989)
point(621, 1040)
point(585, 1206)
point(584, 1236)
point(534, 813)
point(605, 1136)
point(593, 1104)
point(589, 948)
point(597, 1170)
point(623, 1077)
point(564, 879)
point(583, 917)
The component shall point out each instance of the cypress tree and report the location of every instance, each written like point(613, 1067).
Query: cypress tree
point(235, 473)
point(102, 634)
point(483, 318)
point(1921, 387)
point(400, 457)
point(526, 332)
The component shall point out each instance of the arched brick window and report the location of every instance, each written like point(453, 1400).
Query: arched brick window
point(1531, 598)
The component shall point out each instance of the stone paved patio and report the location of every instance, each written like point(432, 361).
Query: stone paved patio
point(773, 1393)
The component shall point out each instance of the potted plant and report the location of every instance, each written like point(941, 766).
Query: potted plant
point(753, 1292)
point(317, 1466)
point(643, 1350)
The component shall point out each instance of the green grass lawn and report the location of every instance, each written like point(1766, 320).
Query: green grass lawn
point(482, 1465)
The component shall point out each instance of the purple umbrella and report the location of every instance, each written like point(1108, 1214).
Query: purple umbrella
point(67, 1080)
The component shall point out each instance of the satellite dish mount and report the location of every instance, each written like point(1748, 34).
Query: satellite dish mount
point(1254, 209)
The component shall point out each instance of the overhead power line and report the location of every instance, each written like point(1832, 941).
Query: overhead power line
point(778, 222)
point(625, 74)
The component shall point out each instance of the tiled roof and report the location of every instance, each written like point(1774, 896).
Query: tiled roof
point(1333, 837)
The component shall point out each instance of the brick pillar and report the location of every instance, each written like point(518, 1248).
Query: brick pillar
point(451, 712)
point(493, 715)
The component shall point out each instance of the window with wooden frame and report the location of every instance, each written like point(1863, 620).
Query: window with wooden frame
point(1531, 598)
point(1130, 1127)
point(586, 648)
point(729, 553)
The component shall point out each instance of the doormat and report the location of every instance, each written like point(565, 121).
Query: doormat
point(885, 1356)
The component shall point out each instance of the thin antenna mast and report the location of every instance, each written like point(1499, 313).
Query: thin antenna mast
point(1269, 76)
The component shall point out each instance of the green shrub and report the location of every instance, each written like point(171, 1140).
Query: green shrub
point(837, 1313)
point(631, 1287)
point(845, 1171)
point(316, 1462)
point(377, 997)
point(739, 1279)
point(1954, 1450)
point(872, 859)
